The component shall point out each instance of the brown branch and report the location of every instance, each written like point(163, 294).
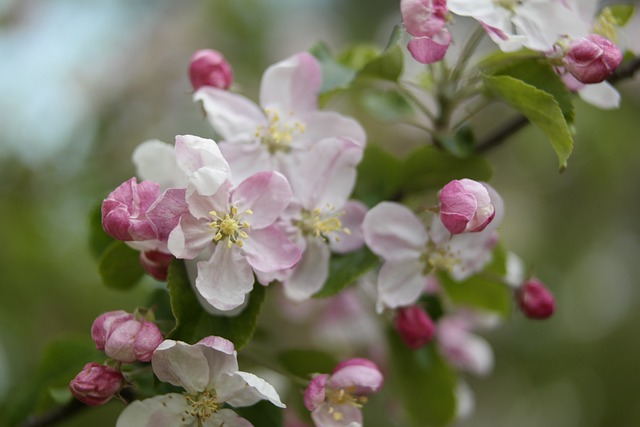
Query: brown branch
point(56, 414)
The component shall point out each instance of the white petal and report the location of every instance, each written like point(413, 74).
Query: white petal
point(400, 283)
point(181, 364)
point(226, 418)
point(329, 124)
point(226, 279)
point(189, 237)
point(601, 95)
point(234, 117)
point(245, 389)
point(167, 410)
point(311, 272)
point(155, 160)
point(246, 159)
point(393, 232)
point(325, 416)
point(354, 213)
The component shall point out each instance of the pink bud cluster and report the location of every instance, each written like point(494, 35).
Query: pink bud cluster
point(96, 384)
point(425, 20)
point(125, 338)
point(465, 206)
point(592, 59)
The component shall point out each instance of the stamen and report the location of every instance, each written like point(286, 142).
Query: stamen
point(277, 136)
point(203, 405)
point(230, 227)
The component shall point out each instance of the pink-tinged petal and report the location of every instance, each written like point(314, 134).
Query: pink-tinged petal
point(427, 50)
point(96, 384)
point(463, 349)
point(103, 323)
point(226, 418)
point(156, 161)
point(267, 194)
point(165, 213)
point(220, 356)
point(200, 206)
point(232, 116)
point(325, 416)
point(329, 124)
point(423, 17)
point(226, 279)
point(246, 159)
point(218, 344)
point(326, 174)
point(209, 67)
point(182, 365)
point(414, 325)
point(292, 85)
point(361, 375)
point(314, 394)
point(246, 389)
point(146, 341)
point(393, 232)
point(156, 264)
point(167, 410)
point(120, 341)
point(354, 213)
point(400, 283)
point(189, 237)
point(269, 249)
point(311, 272)
point(203, 163)
point(124, 210)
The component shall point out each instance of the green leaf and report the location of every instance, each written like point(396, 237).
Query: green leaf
point(379, 176)
point(539, 74)
point(345, 270)
point(357, 56)
point(388, 65)
point(423, 382)
point(429, 168)
point(99, 240)
point(620, 13)
point(304, 363)
point(119, 266)
point(335, 76)
point(485, 290)
point(539, 107)
point(193, 323)
point(461, 144)
point(262, 414)
point(388, 105)
point(61, 361)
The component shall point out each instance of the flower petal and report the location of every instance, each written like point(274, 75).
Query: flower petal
point(292, 85)
point(329, 124)
point(269, 249)
point(602, 95)
point(202, 161)
point(361, 374)
point(189, 237)
point(354, 213)
point(245, 389)
point(156, 160)
point(427, 50)
point(226, 418)
point(226, 279)
point(181, 364)
point(400, 283)
point(246, 159)
point(165, 213)
point(327, 415)
point(311, 272)
point(267, 194)
point(166, 410)
point(393, 232)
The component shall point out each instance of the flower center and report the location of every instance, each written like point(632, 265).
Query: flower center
point(277, 136)
point(203, 405)
point(508, 4)
point(230, 227)
point(438, 257)
point(321, 224)
point(339, 397)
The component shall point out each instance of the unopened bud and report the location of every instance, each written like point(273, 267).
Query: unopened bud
point(592, 59)
point(465, 206)
point(535, 300)
point(156, 264)
point(415, 326)
point(209, 68)
point(96, 384)
point(124, 338)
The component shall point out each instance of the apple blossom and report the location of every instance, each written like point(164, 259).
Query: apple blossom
point(335, 400)
point(463, 349)
point(96, 384)
point(124, 337)
point(208, 372)
point(414, 326)
point(156, 263)
point(235, 229)
point(209, 68)
point(535, 300)
point(271, 137)
point(592, 59)
point(465, 206)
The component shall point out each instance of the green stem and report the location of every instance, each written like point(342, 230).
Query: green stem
point(418, 103)
point(472, 44)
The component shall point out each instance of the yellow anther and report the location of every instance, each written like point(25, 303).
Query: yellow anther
point(249, 212)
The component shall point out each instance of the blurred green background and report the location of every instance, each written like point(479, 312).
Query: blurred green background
point(84, 82)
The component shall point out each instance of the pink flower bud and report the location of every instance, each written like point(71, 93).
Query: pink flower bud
point(415, 326)
point(124, 211)
point(535, 300)
point(156, 264)
point(592, 59)
point(210, 68)
point(465, 206)
point(96, 384)
point(424, 18)
point(124, 338)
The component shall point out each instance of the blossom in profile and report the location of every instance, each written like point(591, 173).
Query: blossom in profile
point(272, 136)
point(208, 373)
point(465, 206)
point(336, 400)
point(96, 384)
point(426, 21)
point(209, 67)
